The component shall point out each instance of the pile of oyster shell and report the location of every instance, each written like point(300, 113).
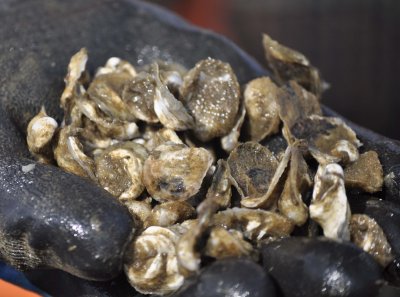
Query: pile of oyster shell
point(210, 169)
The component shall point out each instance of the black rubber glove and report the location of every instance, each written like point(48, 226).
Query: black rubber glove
point(54, 219)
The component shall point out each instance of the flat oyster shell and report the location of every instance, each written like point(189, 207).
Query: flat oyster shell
point(366, 173)
point(262, 110)
point(368, 235)
point(119, 169)
point(211, 94)
point(288, 64)
point(169, 213)
point(175, 172)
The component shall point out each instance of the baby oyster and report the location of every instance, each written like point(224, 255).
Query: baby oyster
point(211, 94)
point(152, 266)
point(175, 172)
point(262, 110)
point(170, 111)
point(139, 94)
point(119, 169)
point(169, 213)
point(288, 64)
point(76, 67)
point(366, 173)
point(140, 210)
point(106, 91)
point(154, 137)
point(116, 65)
point(252, 167)
point(69, 153)
point(230, 141)
point(255, 224)
point(368, 235)
point(40, 132)
point(224, 243)
point(298, 181)
point(329, 206)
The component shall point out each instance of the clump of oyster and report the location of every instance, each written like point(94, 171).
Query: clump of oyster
point(145, 134)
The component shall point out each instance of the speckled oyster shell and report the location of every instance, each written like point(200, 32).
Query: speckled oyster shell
point(211, 94)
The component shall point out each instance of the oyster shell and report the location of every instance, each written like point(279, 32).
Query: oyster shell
point(119, 169)
point(366, 173)
point(224, 243)
point(290, 203)
point(255, 224)
point(140, 210)
point(116, 65)
point(152, 266)
point(106, 91)
point(110, 128)
point(139, 94)
point(329, 206)
point(76, 67)
point(170, 111)
point(171, 212)
point(154, 137)
point(175, 172)
point(230, 141)
point(252, 166)
point(322, 135)
point(211, 94)
point(368, 235)
point(262, 110)
point(69, 155)
point(40, 133)
point(288, 64)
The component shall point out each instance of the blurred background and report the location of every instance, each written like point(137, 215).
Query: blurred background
point(355, 44)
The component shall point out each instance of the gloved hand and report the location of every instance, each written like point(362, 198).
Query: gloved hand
point(49, 218)
point(54, 219)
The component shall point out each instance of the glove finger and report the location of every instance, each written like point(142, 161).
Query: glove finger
point(54, 219)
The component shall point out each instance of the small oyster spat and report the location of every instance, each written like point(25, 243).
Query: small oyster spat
point(211, 93)
point(40, 133)
point(230, 141)
point(106, 91)
point(224, 243)
point(116, 65)
point(329, 206)
point(298, 181)
point(169, 213)
point(139, 94)
point(141, 210)
point(119, 169)
point(366, 173)
point(169, 110)
point(219, 193)
point(75, 148)
point(288, 64)
point(252, 167)
point(175, 172)
point(368, 235)
point(152, 265)
point(110, 128)
point(76, 67)
point(296, 104)
point(218, 196)
point(275, 181)
point(69, 153)
point(155, 137)
point(171, 75)
point(255, 224)
point(260, 97)
point(346, 151)
point(92, 138)
point(322, 135)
